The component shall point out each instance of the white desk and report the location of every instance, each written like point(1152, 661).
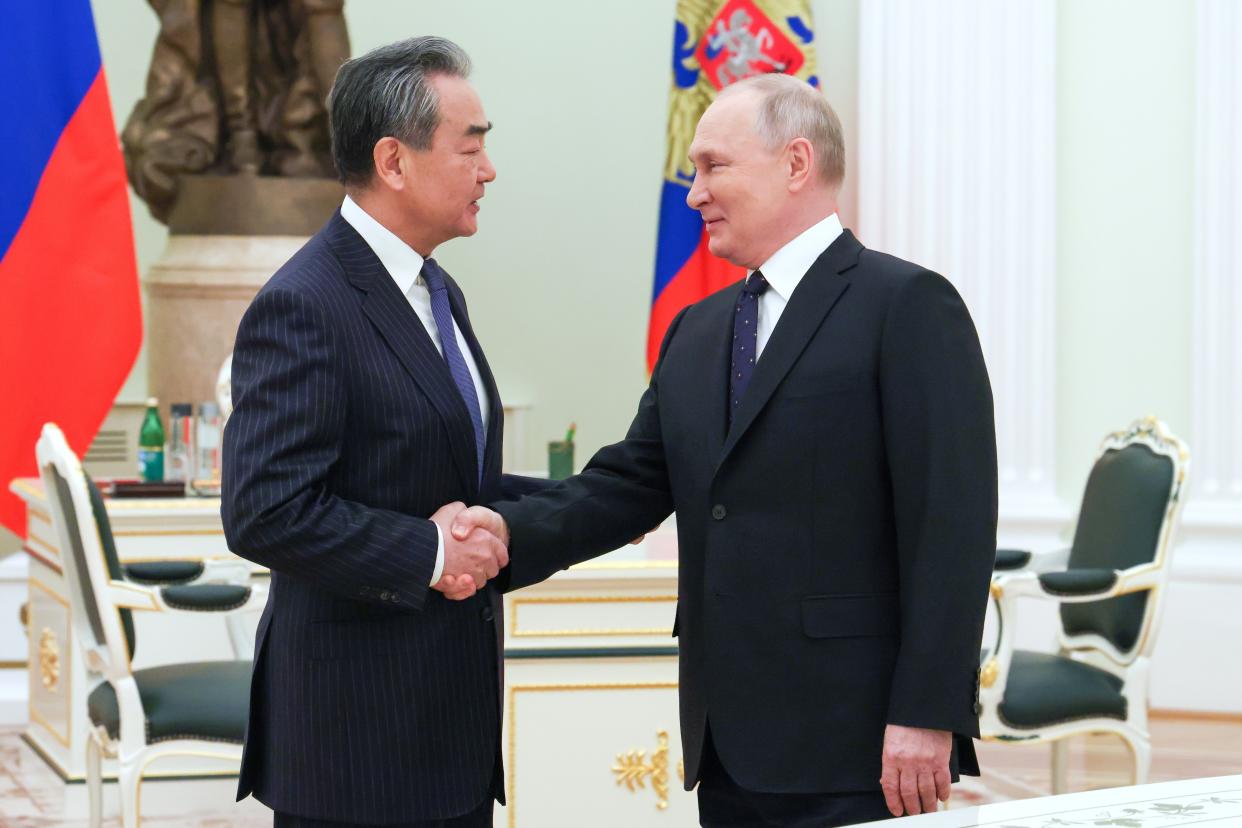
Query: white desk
point(590, 691)
point(1216, 802)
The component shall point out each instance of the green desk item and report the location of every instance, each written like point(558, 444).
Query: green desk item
point(560, 459)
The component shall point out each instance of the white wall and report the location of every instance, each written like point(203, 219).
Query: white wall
point(559, 275)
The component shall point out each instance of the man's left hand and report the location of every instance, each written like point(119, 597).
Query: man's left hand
point(916, 769)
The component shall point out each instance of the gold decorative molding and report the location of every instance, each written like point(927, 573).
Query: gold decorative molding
point(632, 770)
point(35, 715)
point(546, 688)
point(517, 603)
point(49, 660)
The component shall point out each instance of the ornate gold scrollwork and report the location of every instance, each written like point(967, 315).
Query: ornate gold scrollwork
point(632, 770)
point(989, 673)
point(49, 660)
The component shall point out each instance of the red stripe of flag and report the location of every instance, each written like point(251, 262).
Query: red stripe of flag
point(71, 319)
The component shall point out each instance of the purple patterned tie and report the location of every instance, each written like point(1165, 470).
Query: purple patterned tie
point(433, 275)
point(745, 339)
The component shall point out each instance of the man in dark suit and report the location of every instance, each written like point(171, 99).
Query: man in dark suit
point(364, 402)
point(824, 431)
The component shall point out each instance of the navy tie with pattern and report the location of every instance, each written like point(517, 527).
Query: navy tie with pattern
point(433, 275)
point(745, 339)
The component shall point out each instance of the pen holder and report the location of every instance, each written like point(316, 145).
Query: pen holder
point(560, 459)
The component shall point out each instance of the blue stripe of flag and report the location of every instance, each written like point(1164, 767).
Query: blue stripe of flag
point(49, 57)
point(680, 230)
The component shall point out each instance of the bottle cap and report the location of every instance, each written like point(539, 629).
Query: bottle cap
point(208, 409)
point(182, 410)
point(152, 402)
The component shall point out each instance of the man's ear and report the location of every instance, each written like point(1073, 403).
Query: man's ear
point(389, 163)
point(800, 161)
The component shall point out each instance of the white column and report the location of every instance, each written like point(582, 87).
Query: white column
point(957, 106)
point(1216, 350)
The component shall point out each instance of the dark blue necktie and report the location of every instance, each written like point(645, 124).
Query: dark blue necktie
point(745, 339)
point(433, 275)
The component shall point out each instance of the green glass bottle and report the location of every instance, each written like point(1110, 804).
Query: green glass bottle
point(151, 444)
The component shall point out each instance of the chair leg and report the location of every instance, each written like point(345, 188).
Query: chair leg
point(1140, 748)
point(128, 778)
point(94, 778)
point(241, 641)
point(1060, 766)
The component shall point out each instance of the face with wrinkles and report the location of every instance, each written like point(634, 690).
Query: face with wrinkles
point(739, 184)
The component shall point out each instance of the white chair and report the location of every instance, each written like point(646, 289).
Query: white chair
point(1110, 585)
point(139, 716)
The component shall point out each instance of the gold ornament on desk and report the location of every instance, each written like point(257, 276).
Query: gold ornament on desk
point(632, 770)
point(49, 660)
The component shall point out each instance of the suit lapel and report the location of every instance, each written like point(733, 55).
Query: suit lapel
point(403, 331)
point(810, 303)
point(715, 392)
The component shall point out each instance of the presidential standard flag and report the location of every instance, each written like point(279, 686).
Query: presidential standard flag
point(70, 319)
point(714, 44)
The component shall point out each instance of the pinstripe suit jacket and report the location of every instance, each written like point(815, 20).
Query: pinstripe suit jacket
point(374, 698)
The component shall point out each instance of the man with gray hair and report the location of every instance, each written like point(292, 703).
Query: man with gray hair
point(824, 431)
point(363, 402)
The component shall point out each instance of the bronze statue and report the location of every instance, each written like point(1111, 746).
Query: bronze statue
point(235, 87)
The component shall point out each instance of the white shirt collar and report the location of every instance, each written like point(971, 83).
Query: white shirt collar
point(398, 258)
point(785, 269)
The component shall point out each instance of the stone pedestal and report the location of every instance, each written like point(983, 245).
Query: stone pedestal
point(228, 236)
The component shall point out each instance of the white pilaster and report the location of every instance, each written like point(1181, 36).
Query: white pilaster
point(957, 118)
point(1216, 325)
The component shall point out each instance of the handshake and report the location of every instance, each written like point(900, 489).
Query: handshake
point(476, 548)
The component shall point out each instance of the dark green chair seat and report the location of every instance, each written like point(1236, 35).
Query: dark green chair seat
point(199, 700)
point(1007, 559)
point(206, 597)
point(1078, 581)
point(163, 572)
point(1045, 690)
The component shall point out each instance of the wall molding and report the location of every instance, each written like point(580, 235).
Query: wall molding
point(1216, 339)
point(957, 171)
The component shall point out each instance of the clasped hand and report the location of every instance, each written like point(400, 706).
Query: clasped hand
point(476, 542)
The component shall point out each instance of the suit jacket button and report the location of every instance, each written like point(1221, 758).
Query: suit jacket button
point(486, 614)
point(719, 511)
point(978, 708)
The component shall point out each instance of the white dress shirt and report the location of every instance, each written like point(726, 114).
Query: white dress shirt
point(405, 266)
point(785, 269)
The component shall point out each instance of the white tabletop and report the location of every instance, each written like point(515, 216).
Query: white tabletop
point(1216, 802)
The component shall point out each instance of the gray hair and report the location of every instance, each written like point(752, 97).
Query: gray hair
point(790, 108)
point(387, 92)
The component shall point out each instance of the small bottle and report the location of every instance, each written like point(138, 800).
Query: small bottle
point(151, 444)
point(207, 449)
point(180, 443)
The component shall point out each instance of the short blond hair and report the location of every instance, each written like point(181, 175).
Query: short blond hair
point(790, 108)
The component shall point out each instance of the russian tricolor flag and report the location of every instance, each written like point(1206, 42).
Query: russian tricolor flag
point(714, 44)
point(70, 315)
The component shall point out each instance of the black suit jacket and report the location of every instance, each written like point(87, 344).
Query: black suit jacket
point(374, 698)
point(835, 544)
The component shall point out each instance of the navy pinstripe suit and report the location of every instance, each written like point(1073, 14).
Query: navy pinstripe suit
point(375, 699)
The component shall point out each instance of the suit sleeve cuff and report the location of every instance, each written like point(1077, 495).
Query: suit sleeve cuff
point(439, 567)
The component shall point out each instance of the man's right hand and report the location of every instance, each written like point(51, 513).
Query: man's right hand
point(476, 553)
point(480, 518)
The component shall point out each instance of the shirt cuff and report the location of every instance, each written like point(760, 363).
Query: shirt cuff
point(439, 570)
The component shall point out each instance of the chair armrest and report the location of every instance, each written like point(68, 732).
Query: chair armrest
point(174, 572)
point(1074, 586)
point(1024, 560)
point(1078, 582)
point(219, 599)
point(1011, 559)
point(163, 573)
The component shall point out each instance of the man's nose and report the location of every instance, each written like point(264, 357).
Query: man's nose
point(487, 172)
point(697, 196)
